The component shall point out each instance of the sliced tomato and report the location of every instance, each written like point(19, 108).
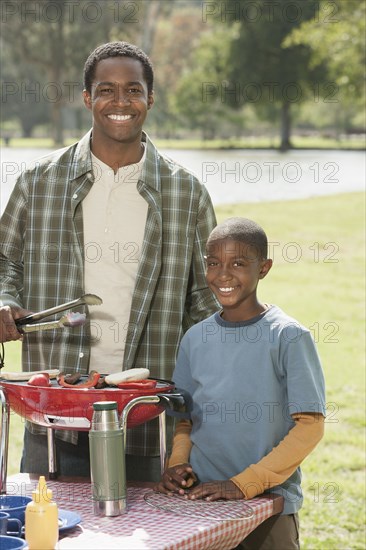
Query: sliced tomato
point(40, 379)
point(138, 385)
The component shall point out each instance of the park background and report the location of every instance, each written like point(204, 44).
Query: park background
point(281, 79)
point(270, 73)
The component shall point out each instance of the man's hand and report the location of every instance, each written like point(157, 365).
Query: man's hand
point(176, 480)
point(214, 490)
point(8, 329)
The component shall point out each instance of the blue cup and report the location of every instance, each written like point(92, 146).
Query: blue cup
point(12, 543)
point(14, 505)
point(10, 526)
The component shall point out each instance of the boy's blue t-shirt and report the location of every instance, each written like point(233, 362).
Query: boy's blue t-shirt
point(245, 380)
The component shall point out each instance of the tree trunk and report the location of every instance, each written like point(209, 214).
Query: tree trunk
point(27, 129)
point(56, 71)
point(57, 125)
point(150, 20)
point(285, 127)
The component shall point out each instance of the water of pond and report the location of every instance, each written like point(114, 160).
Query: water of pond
point(241, 175)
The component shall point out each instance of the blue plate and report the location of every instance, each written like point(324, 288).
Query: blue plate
point(69, 520)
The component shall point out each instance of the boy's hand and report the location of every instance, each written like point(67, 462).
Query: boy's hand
point(176, 480)
point(214, 490)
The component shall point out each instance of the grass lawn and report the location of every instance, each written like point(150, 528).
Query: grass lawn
point(318, 277)
point(256, 142)
point(318, 249)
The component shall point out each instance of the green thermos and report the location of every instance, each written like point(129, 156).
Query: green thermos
point(107, 461)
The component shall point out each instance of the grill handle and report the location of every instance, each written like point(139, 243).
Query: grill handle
point(174, 403)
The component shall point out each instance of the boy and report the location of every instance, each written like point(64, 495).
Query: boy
point(257, 391)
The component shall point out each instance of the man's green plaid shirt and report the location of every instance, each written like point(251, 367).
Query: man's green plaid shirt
point(42, 265)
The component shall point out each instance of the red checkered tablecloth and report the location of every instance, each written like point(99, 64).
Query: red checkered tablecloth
point(144, 527)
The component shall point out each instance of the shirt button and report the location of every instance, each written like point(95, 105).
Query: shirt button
point(81, 355)
point(75, 196)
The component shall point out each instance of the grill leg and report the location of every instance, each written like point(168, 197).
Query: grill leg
point(4, 441)
point(162, 440)
point(148, 399)
point(52, 466)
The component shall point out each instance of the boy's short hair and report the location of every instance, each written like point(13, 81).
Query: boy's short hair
point(243, 230)
point(117, 49)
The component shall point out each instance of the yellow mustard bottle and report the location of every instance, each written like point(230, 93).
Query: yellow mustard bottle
point(41, 519)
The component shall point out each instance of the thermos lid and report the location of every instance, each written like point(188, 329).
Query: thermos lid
point(105, 405)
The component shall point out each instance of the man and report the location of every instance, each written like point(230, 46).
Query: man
point(112, 216)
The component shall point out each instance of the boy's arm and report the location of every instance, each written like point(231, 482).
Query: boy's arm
point(282, 461)
point(182, 444)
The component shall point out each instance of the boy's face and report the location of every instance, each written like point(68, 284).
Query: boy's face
point(119, 100)
point(232, 273)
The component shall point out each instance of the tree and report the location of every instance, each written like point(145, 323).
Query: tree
point(54, 37)
point(198, 99)
point(39, 36)
point(176, 39)
point(22, 100)
point(262, 70)
point(339, 44)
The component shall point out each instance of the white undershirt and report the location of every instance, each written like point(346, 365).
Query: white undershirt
point(114, 215)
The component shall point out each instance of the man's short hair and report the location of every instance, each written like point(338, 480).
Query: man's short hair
point(117, 49)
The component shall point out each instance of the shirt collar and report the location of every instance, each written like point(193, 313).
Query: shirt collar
point(83, 161)
point(150, 173)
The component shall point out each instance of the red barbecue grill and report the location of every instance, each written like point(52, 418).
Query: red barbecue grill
point(63, 408)
point(72, 408)
point(57, 407)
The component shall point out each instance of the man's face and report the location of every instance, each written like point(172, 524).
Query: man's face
point(119, 100)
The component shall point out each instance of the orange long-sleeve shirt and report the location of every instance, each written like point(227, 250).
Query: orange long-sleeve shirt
point(274, 468)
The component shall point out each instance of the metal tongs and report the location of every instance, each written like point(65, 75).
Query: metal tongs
point(29, 322)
